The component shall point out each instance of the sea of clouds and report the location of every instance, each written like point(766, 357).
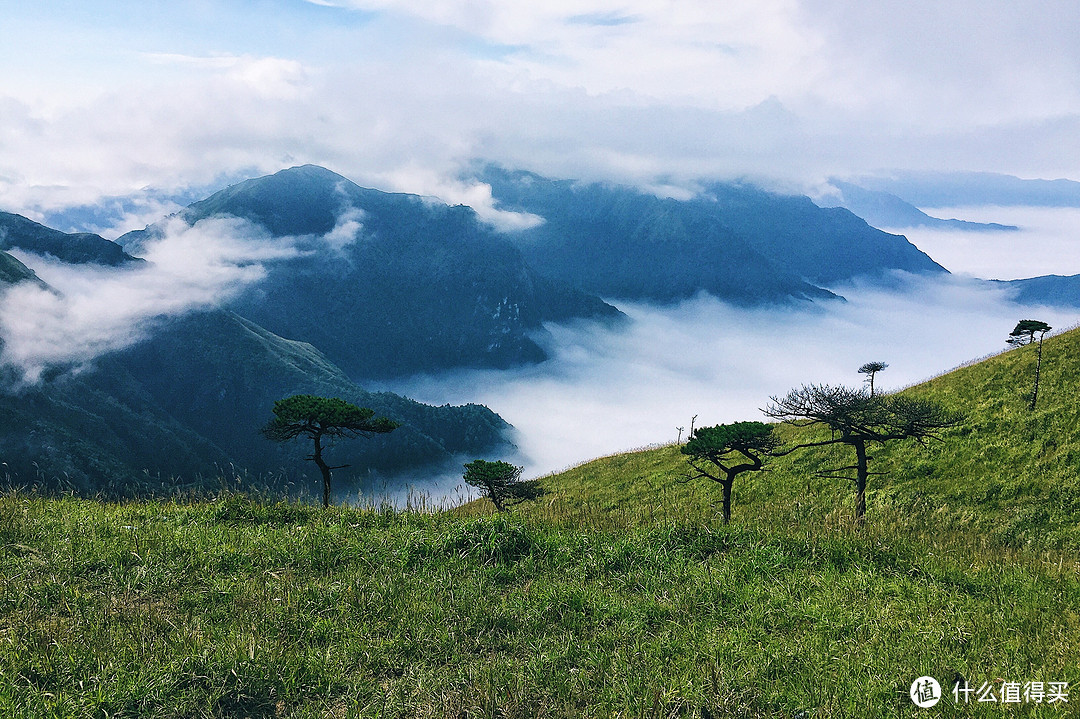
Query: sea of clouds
point(608, 390)
point(604, 389)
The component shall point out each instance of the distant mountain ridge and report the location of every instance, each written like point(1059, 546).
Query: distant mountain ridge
point(18, 232)
point(883, 209)
point(1057, 290)
point(737, 242)
point(957, 189)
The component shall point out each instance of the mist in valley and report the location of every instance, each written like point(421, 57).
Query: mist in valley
point(604, 389)
point(1048, 242)
point(610, 390)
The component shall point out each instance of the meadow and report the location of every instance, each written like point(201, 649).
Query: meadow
point(618, 593)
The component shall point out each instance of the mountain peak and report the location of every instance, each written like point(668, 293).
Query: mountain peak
point(296, 201)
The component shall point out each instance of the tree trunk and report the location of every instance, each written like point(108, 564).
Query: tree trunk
point(727, 498)
point(325, 469)
point(861, 473)
point(1038, 368)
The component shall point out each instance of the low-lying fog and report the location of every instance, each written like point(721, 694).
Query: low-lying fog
point(605, 390)
point(1048, 242)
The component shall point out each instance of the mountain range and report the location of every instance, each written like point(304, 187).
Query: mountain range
point(184, 408)
point(884, 209)
point(380, 285)
point(735, 241)
point(1060, 290)
point(411, 285)
point(959, 189)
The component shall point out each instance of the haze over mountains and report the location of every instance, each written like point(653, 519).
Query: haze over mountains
point(884, 209)
point(957, 189)
point(338, 285)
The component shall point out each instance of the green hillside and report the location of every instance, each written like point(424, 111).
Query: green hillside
point(1005, 477)
point(617, 594)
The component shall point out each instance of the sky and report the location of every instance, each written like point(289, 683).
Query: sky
point(104, 99)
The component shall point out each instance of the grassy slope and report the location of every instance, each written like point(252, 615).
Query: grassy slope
point(1007, 478)
point(618, 594)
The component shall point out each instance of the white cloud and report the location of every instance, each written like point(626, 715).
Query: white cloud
point(959, 63)
point(90, 310)
point(658, 94)
point(270, 77)
point(729, 56)
point(454, 191)
point(141, 212)
point(607, 391)
point(346, 230)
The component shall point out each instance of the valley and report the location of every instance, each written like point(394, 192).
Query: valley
point(303, 282)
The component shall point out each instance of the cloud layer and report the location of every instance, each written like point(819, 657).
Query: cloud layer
point(607, 391)
point(1047, 243)
point(402, 94)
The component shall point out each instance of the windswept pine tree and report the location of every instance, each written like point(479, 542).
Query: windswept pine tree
point(323, 417)
point(859, 420)
point(1024, 334)
point(723, 452)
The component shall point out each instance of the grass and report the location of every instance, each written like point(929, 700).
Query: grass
point(617, 594)
point(244, 608)
point(1006, 478)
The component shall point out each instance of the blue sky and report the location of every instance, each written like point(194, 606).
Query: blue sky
point(107, 98)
